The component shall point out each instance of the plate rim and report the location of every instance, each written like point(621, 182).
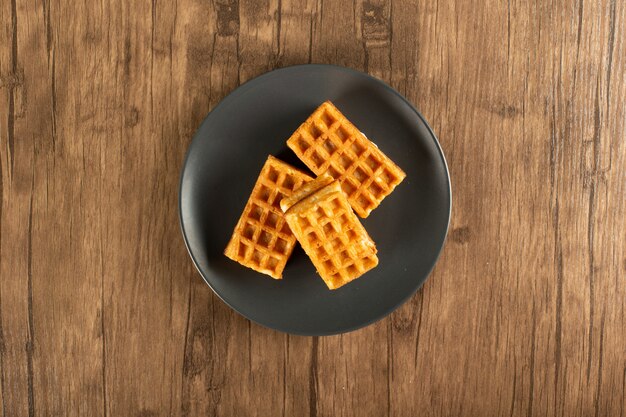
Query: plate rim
point(240, 88)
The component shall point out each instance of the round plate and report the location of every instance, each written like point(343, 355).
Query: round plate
point(222, 166)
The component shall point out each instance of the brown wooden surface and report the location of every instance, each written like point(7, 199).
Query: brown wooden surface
point(103, 314)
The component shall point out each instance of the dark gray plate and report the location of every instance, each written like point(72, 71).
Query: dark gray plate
point(222, 165)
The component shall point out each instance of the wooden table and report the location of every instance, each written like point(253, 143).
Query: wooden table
point(103, 314)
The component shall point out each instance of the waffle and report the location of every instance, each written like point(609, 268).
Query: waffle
point(329, 232)
point(328, 142)
point(262, 239)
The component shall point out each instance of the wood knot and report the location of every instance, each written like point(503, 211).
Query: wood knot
point(401, 323)
point(92, 36)
point(593, 177)
point(199, 56)
point(374, 24)
point(227, 17)
point(197, 358)
point(461, 235)
point(12, 80)
point(127, 57)
point(505, 111)
point(403, 318)
point(132, 117)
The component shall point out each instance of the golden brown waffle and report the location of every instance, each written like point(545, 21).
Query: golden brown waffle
point(262, 239)
point(328, 142)
point(330, 233)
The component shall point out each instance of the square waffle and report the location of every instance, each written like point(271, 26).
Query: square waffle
point(322, 220)
point(328, 142)
point(262, 239)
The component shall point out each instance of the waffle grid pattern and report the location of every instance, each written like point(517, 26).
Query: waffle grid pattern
point(334, 239)
point(328, 142)
point(262, 239)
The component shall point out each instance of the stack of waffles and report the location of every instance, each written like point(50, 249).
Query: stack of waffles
point(353, 176)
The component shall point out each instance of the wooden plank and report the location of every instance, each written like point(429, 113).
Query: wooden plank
point(16, 189)
point(51, 266)
point(213, 68)
point(15, 360)
point(145, 285)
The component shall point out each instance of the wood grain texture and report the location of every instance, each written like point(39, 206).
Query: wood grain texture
point(102, 313)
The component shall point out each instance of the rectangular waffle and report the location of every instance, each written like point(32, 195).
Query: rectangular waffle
point(329, 231)
point(262, 239)
point(328, 142)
